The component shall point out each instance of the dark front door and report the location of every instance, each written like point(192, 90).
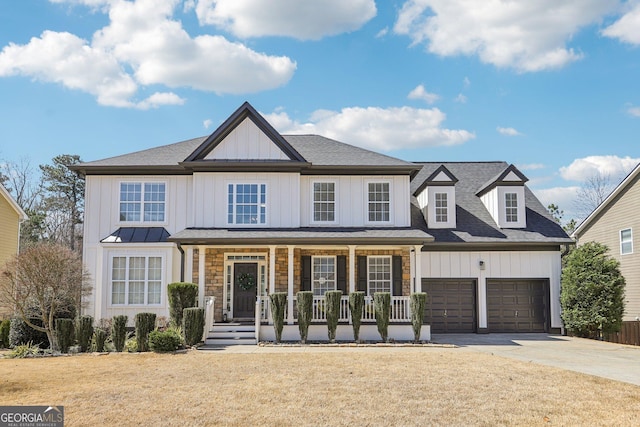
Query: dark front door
point(245, 283)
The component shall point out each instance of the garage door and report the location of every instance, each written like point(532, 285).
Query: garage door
point(451, 305)
point(517, 305)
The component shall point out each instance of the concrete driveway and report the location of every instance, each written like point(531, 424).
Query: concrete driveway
point(607, 360)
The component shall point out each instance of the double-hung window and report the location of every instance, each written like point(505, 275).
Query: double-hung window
point(136, 280)
point(142, 202)
point(379, 274)
point(378, 201)
point(442, 207)
point(324, 202)
point(323, 270)
point(247, 204)
point(626, 241)
point(511, 206)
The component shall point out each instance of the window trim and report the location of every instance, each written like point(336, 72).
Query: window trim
point(335, 271)
point(235, 185)
point(313, 182)
point(389, 258)
point(128, 256)
point(445, 207)
point(629, 241)
point(142, 183)
point(515, 208)
point(366, 201)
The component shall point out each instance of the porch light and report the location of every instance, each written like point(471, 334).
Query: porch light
point(481, 265)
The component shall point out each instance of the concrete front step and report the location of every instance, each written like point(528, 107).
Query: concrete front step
point(231, 334)
point(230, 341)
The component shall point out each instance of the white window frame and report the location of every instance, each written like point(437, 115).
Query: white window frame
point(369, 280)
point(142, 202)
point(367, 202)
point(441, 213)
point(509, 210)
point(318, 280)
point(628, 241)
point(313, 201)
point(128, 279)
point(261, 206)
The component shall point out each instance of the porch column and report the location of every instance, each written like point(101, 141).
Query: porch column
point(352, 268)
point(290, 285)
point(201, 273)
point(272, 269)
point(417, 279)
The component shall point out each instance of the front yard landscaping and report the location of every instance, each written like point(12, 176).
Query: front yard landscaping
point(324, 386)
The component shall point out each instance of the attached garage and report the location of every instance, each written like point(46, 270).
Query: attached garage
point(451, 305)
point(516, 305)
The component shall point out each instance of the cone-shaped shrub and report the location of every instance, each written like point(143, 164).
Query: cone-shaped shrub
point(5, 325)
point(382, 307)
point(416, 307)
point(278, 305)
point(304, 299)
point(119, 332)
point(356, 307)
point(193, 325)
point(181, 295)
point(332, 304)
point(84, 332)
point(99, 338)
point(145, 323)
point(64, 334)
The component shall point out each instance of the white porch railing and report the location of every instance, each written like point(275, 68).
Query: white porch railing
point(399, 310)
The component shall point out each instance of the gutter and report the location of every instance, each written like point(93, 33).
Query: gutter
point(182, 260)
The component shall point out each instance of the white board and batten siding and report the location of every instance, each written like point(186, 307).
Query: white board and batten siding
point(497, 265)
point(247, 142)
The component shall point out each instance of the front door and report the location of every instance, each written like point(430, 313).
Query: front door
point(245, 283)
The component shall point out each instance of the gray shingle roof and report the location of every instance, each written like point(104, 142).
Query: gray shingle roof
point(474, 222)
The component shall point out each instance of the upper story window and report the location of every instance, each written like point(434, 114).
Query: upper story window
point(378, 202)
point(142, 202)
point(442, 207)
point(626, 241)
point(511, 206)
point(379, 274)
point(323, 270)
point(247, 204)
point(136, 280)
point(324, 202)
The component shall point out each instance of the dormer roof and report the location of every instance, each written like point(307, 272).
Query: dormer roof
point(439, 177)
point(510, 176)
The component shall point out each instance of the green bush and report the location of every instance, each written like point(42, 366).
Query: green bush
point(193, 325)
point(131, 344)
point(382, 307)
point(416, 307)
point(145, 323)
point(84, 332)
point(165, 341)
point(5, 326)
point(332, 304)
point(20, 333)
point(304, 301)
point(592, 292)
point(356, 308)
point(21, 351)
point(99, 339)
point(119, 332)
point(278, 305)
point(64, 334)
point(181, 295)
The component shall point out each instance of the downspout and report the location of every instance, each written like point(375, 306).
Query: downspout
point(182, 261)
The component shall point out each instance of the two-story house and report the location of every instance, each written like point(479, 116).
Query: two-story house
point(245, 212)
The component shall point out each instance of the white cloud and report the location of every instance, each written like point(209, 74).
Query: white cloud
point(634, 111)
point(627, 28)
point(421, 93)
point(525, 35)
point(460, 99)
point(143, 37)
point(612, 166)
point(382, 129)
point(207, 123)
point(466, 82)
point(563, 197)
point(531, 166)
point(383, 32)
point(508, 131)
point(304, 20)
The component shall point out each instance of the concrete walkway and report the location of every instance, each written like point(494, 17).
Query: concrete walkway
point(614, 361)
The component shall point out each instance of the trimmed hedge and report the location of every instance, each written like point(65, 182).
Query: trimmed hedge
point(5, 326)
point(84, 332)
point(356, 307)
point(181, 295)
point(278, 305)
point(20, 333)
point(382, 307)
point(119, 332)
point(193, 325)
point(304, 301)
point(64, 334)
point(165, 341)
point(332, 305)
point(99, 338)
point(416, 307)
point(145, 323)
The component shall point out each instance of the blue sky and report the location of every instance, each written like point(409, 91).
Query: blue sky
point(551, 86)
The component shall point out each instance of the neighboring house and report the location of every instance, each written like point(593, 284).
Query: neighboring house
point(11, 215)
point(245, 212)
point(616, 223)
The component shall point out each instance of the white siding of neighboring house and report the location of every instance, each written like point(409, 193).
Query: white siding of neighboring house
point(498, 265)
point(247, 141)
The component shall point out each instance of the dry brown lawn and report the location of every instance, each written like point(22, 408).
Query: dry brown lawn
point(327, 386)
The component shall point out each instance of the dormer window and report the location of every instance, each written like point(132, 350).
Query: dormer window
point(437, 198)
point(511, 206)
point(503, 196)
point(441, 208)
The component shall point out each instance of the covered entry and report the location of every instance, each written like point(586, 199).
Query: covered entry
point(451, 305)
point(517, 305)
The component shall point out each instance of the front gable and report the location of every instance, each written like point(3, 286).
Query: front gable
point(504, 198)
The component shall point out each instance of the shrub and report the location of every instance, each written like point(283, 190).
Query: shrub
point(165, 341)
point(416, 307)
point(193, 326)
point(181, 295)
point(21, 351)
point(145, 323)
point(278, 305)
point(99, 339)
point(382, 307)
point(84, 332)
point(356, 307)
point(131, 344)
point(304, 301)
point(20, 333)
point(119, 332)
point(592, 292)
point(64, 334)
point(332, 304)
point(5, 326)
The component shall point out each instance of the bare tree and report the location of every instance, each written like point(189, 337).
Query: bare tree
point(593, 192)
point(43, 281)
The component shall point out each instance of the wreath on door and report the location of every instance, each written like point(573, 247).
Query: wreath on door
point(246, 281)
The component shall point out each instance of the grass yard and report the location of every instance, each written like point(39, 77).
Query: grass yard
point(326, 386)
